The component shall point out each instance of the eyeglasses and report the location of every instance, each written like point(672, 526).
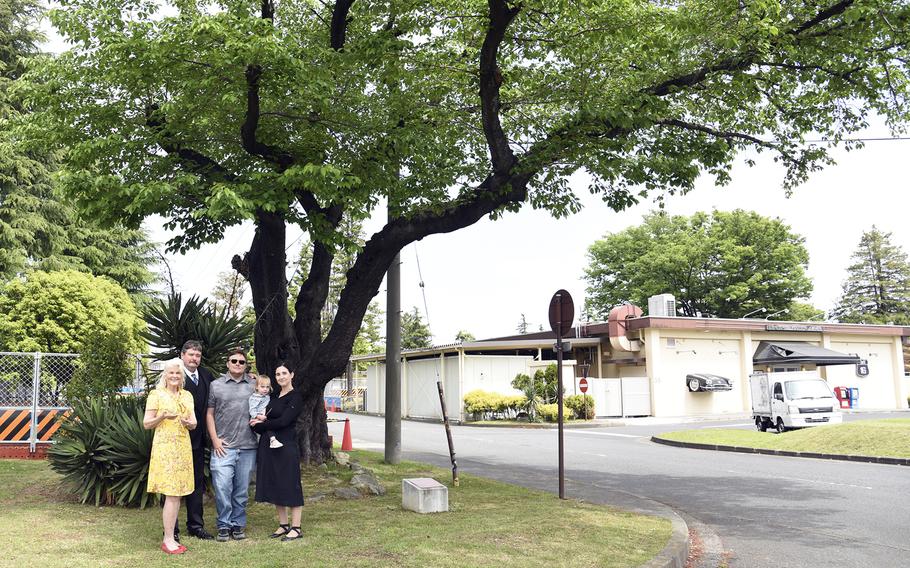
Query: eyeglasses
point(237, 361)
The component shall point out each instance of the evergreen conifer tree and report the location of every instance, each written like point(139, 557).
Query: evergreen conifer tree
point(877, 289)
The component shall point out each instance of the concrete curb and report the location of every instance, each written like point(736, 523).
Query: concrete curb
point(765, 451)
point(676, 553)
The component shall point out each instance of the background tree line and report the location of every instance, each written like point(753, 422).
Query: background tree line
point(730, 264)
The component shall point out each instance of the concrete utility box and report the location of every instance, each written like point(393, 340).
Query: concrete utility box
point(424, 495)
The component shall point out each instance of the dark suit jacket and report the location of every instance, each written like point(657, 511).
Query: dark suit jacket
point(200, 392)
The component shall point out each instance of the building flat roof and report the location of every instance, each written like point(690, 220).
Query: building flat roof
point(720, 324)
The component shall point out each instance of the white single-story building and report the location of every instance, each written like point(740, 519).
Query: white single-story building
point(640, 365)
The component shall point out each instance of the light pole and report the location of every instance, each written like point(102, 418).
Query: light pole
point(783, 311)
point(762, 310)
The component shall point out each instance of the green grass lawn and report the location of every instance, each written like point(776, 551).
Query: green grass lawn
point(489, 524)
point(883, 438)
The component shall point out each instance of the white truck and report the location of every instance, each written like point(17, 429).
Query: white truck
point(794, 399)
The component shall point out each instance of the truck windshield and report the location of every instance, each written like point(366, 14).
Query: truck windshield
point(807, 389)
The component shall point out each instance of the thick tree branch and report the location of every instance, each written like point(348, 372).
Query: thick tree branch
point(823, 16)
point(310, 301)
point(490, 79)
point(282, 159)
point(190, 160)
point(339, 29)
point(365, 277)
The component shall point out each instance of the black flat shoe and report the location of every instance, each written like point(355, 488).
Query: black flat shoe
point(202, 534)
point(288, 537)
point(282, 530)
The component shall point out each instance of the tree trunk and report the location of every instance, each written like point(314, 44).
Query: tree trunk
point(312, 430)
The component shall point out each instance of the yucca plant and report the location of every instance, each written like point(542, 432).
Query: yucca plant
point(79, 453)
point(172, 322)
point(127, 446)
point(103, 450)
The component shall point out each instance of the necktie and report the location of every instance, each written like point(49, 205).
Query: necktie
point(195, 378)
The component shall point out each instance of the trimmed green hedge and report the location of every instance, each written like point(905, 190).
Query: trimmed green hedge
point(484, 405)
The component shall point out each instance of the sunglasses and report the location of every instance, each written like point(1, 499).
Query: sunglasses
point(237, 361)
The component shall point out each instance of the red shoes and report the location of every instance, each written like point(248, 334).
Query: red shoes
point(179, 550)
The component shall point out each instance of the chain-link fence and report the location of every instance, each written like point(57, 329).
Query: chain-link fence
point(33, 393)
point(345, 394)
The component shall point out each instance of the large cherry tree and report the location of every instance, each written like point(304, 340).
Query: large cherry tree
point(311, 113)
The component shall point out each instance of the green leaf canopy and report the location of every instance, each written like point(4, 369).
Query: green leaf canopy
point(722, 264)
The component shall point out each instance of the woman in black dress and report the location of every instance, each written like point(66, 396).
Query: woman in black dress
point(278, 469)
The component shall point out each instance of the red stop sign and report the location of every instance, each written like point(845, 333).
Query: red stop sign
point(583, 385)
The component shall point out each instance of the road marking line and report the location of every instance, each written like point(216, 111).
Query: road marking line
point(730, 425)
point(807, 480)
point(602, 434)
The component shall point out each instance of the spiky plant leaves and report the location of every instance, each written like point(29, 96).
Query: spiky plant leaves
point(128, 447)
point(171, 323)
point(78, 453)
point(103, 450)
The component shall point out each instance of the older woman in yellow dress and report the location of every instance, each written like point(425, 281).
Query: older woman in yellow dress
point(169, 411)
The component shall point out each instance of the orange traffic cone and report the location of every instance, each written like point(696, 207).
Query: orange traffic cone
point(346, 445)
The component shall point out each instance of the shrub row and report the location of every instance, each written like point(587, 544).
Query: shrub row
point(484, 405)
point(582, 405)
point(573, 408)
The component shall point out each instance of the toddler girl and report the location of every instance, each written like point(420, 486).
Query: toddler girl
point(258, 401)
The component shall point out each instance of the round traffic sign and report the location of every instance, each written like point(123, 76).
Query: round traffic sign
point(562, 313)
point(583, 385)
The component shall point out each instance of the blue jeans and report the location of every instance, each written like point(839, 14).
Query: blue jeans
point(231, 481)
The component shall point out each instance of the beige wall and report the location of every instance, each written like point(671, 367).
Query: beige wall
point(877, 390)
point(672, 354)
point(686, 352)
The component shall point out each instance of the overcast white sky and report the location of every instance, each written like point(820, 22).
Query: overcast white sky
point(482, 278)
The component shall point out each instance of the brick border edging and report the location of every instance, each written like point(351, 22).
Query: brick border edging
point(676, 552)
point(765, 451)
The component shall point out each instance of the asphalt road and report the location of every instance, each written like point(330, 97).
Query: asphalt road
point(768, 511)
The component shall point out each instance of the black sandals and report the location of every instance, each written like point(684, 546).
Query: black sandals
point(287, 537)
point(282, 530)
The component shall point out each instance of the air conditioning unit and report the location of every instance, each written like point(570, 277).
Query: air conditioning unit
point(662, 305)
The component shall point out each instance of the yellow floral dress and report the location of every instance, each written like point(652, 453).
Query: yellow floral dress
point(171, 464)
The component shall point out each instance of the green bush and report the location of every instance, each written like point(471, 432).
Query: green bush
point(476, 402)
point(550, 412)
point(544, 385)
point(104, 366)
point(581, 405)
point(483, 405)
point(103, 450)
point(61, 312)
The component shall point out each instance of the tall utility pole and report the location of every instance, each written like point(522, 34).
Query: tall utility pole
point(393, 363)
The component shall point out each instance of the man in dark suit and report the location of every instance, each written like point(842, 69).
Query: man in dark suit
point(197, 382)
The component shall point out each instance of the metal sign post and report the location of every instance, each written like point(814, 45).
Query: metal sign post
point(583, 384)
point(562, 313)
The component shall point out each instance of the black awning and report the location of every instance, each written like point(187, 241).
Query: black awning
point(780, 352)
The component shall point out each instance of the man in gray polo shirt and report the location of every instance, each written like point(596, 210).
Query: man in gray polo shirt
point(233, 445)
